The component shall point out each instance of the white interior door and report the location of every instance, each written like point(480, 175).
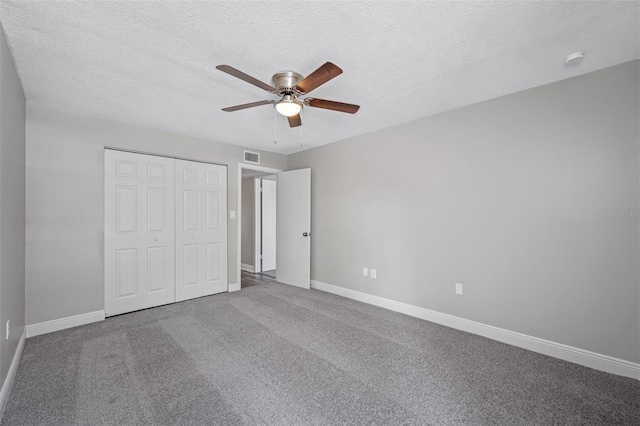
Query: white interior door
point(257, 225)
point(139, 231)
point(293, 221)
point(201, 229)
point(269, 192)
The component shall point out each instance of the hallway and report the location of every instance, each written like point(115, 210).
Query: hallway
point(249, 280)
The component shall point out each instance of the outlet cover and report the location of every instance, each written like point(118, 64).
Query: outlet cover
point(365, 272)
point(373, 274)
point(458, 288)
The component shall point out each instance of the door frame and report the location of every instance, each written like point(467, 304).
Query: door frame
point(241, 166)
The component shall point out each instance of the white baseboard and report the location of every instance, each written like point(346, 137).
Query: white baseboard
point(247, 267)
point(558, 350)
point(234, 287)
point(11, 375)
point(64, 323)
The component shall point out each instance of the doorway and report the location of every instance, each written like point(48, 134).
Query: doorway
point(293, 228)
point(257, 225)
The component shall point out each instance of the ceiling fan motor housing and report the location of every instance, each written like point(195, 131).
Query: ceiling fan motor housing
point(285, 82)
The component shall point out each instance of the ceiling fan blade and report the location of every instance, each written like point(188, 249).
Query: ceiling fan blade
point(244, 106)
point(295, 121)
point(332, 105)
point(319, 77)
point(246, 77)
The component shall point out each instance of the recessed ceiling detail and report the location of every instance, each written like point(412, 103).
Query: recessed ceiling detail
point(153, 63)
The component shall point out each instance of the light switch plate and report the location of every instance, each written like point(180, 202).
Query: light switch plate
point(373, 274)
point(365, 272)
point(458, 288)
point(232, 214)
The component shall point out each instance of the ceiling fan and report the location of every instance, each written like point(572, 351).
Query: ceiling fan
point(289, 86)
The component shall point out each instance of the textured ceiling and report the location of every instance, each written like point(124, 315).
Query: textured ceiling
point(153, 63)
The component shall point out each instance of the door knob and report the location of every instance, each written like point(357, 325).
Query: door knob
point(192, 237)
point(155, 239)
point(306, 234)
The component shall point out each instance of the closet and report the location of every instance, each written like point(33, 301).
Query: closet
point(165, 230)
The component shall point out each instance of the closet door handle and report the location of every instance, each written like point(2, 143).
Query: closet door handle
point(155, 239)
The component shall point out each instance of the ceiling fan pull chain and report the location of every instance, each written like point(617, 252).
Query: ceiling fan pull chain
point(301, 136)
point(275, 140)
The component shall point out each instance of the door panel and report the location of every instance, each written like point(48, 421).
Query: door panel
point(189, 173)
point(214, 177)
point(190, 264)
point(127, 209)
point(293, 248)
point(156, 171)
point(190, 210)
point(214, 259)
point(139, 231)
point(127, 169)
point(157, 268)
point(127, 273)
point(156, 200)
point(213, 210)
point(201, 229)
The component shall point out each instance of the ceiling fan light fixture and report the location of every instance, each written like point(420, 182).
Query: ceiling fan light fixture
point(288, 106)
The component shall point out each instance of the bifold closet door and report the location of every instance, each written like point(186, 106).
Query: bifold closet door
point(201, 229)
point(139, 231)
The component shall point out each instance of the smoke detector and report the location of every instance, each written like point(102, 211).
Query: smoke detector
point(574, 59)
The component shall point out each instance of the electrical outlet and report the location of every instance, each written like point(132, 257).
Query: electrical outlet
point(232, 214)
point(365, 272)
point(373, 274)
point(458, 288)
point(8, 328)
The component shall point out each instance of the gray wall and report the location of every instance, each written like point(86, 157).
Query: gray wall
point(508, 197)
point(12, 205)
point(65, 197)
point(248, 221)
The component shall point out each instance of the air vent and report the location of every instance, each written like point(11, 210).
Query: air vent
point(251, 157)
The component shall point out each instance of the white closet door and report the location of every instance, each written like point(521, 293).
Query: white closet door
point(139, 231)
point(201, 229)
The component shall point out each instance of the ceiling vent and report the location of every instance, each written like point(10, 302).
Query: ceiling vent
point(251, 157)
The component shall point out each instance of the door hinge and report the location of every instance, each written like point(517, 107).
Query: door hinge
point(260, 257)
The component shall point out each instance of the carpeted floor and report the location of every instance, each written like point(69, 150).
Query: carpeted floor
point(275, 354)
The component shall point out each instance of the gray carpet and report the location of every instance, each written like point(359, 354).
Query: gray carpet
point(279, 355)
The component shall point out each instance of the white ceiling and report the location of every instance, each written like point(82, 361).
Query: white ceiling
point(153, 63)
